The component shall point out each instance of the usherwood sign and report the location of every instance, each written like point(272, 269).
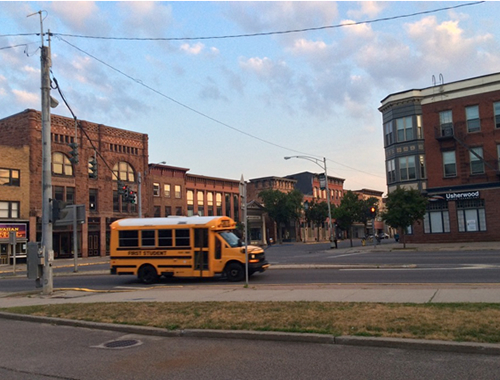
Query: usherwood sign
point(457, 196)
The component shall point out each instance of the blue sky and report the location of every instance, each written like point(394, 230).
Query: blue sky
point(228, 107)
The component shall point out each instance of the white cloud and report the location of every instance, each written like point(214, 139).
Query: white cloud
point(358, 30)
point(368, 8)
point(27, 98)
point(193, 49)
point(308, 47)
point(79, 16)
point(148, 18)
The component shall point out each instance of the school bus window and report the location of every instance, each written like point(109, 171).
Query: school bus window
point(230, 239)
point(164, 238)
point(201, 238)
point(182, 238)
point(148, 238)
point(128, 238)
point(218, 249)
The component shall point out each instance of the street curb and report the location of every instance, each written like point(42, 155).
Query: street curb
point(396, 343)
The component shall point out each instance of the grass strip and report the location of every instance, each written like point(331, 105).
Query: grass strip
point(462, 322)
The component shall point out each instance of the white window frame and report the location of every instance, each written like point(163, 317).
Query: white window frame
point(404, 128)
point(472, 119)
point(447, 161)
point(476, 162)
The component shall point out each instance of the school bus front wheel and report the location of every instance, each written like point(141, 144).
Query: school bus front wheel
point(234, 272)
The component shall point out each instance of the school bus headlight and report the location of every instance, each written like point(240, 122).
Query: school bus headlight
point(252, 257)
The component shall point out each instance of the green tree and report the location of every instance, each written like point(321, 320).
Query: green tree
point(365, 205)
point(317, 213)
point(281, 207)
point(403, 208)
point(348, 212)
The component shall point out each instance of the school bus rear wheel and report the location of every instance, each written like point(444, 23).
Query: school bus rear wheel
point(235, 272)
point(147, 274)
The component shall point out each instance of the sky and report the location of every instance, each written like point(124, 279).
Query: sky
point(228, 89)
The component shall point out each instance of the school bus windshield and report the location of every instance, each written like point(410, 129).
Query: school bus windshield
point(230, 239)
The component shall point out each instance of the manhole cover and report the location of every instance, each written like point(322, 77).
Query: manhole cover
point(124, 343)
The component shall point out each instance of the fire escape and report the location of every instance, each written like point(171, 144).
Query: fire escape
point(447, 135)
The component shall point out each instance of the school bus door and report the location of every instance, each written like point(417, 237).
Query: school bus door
point(201, 251)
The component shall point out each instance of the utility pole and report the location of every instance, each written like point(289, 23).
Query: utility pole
point(47, 244)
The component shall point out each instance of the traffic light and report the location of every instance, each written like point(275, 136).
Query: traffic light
point(93, 168)
point(133, 197)
point(373, 211)
point(58, 210)
point(126, 194)
point(121, 188)
point(74, 152)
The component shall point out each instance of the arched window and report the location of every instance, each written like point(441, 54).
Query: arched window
point(124, 172)
point(61, 164)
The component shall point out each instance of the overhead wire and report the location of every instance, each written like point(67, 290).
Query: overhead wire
point(59, 36)
point(311, 29)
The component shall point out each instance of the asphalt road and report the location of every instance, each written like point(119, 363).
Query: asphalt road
point(41, 351)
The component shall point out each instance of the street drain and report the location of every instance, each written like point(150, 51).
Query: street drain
point(123, 343)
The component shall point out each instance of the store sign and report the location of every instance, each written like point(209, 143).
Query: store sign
point(466, 195)
point(18, 228)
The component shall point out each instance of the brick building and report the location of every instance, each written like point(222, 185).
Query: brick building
point(120, 154)
point(445, 141)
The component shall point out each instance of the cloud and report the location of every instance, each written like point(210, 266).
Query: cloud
point(368, 8)
point(281, 15)
point(79, 16)
point(193, 49)
point(145, 18)
point(30, 99)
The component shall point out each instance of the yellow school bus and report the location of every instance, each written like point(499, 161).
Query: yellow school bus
point(195, 246)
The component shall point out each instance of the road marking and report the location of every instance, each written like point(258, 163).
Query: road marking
point(479, 266)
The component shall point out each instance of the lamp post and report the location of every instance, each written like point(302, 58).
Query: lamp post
point(318, 162)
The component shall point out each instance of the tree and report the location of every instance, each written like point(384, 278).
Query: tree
point(403, 208)
point(365, 205)
point(282, 207)
point(317, 213)
point(348, 212)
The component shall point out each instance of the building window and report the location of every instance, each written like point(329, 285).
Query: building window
point(9, 177)
point(210, 204)
point(64, 194)
point(407, 170)
point(124, 172)
point(120, 206)
point(471, 215)
point(476, 161)
point(391, 171)
point(218, 203)
point(9, 209)
point(389, 134)
point(227, 200)
point(236, 206)
point(496, 109)
point(472, 116)
point(168, 210)
point(156, 211)
point(70, 195)
point(420, 133)
point(498, 155)
point(437, 218)
point(178, 194)
point(156, 189)
point(93, 199)
point(423, 172)
point(190, 202)
point(166, 191)
point(405, 128)
point(178, 211)
point(201, 203)
point(446, 123)
point(449, 164)
point(61, 164)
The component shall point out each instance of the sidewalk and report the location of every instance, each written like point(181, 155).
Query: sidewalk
point(228, 292)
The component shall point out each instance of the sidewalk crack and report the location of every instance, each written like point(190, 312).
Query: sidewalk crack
point(434, 295)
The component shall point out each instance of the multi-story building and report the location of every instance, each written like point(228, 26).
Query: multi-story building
point(120, 154)
point(445, 141)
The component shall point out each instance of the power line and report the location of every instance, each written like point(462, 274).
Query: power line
point(204, 114)
point(270, 33)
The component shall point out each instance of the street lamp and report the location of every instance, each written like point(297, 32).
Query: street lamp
point(318, 162)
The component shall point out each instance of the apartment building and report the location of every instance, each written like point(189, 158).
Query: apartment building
point(444, 140)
